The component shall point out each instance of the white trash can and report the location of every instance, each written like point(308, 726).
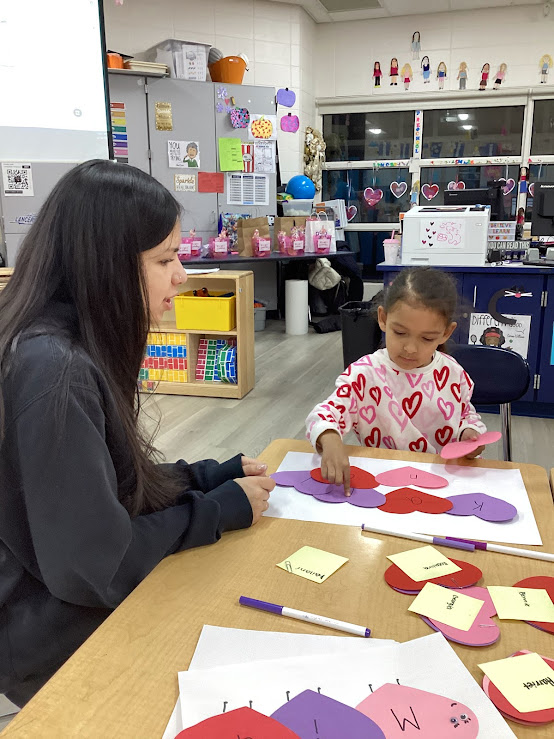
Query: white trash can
point(296, 307)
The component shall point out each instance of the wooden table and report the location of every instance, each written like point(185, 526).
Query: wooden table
point(123, 681)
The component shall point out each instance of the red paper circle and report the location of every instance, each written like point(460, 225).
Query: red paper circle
point(468, 575)
point(541, 582)
point(358, 478)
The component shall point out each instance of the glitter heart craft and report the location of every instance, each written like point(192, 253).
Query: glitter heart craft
point(483, 506)
point(408, 500)
point(508, 185)
point(410, 476)
point(467, 576)
point(429, 191)
point(240, 722)
point(351, 212)
point(541, 582)
point(483, 632)
point(456, 185)
point(458, 449)
point(398, 188)
point(371, 196)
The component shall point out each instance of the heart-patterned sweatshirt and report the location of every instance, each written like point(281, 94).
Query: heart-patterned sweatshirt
point(386, 406)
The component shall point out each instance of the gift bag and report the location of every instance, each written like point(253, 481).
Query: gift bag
point(314, 228)
point(286, 224)
point(245, 232)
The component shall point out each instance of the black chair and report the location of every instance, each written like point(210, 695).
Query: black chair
point(501, 377)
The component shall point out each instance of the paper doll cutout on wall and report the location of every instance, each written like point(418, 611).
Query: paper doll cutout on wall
point(407, 75)
point(377, 74)
point(545, 65)
point(500, 76)
point(394, 71)
point(416, 44)
point(462, 76)
point(426, 69)
point(485, 71)
point(441, 74)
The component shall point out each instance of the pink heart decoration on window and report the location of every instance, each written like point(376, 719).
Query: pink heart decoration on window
point(508, 185)
point(456, 185)
point(398, 188)
point(429, 191)
point(351, 212)
point(372, 196)
point(531, 189)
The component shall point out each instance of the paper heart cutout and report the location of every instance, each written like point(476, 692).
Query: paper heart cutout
point(290, 479)
point(358, 478)
point(401, 711)
point(408, 500)
point(508, 185)
point(321, 490)
point(241, 722)
point(456, 185)
point(429, 191)
point(398, 188)
point(458, 449)
point(531, 189)
point(542, 582)
point(351, 212)
point(411, 476)
point(467, 576)
point(313, 715)
point(372, 196)
point(483, 506)
point(532, 718)
point(483, 631)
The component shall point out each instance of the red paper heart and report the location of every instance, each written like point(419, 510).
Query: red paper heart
point(418, 446)
point(429, 191)
point(467, 576)
point(358, 478)
point(411, 405)
point(408, 500)
point(371, 196)
point(443, 435)
point(542, 582)
point(242, 723)
point(374, 439)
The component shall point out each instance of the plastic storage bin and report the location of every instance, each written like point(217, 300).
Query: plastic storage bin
point(186, 60)
point(297, 207)
point(260, 316)
point(361, 334)
point(215, 313)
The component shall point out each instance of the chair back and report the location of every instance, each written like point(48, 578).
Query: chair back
point(500, 376)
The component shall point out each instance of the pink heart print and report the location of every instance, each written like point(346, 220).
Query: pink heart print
point(398, 414)
point(452, 185)
point(398, 188)
point(429, 191)
point(508, 185)
point(351, 212)
point(446, 408)
point(368, 414)
point(429, 389)
point(371, 196)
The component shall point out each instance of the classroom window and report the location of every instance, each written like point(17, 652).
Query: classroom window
point(472, 132)
point(447, 177)
point(368, 136)
point(372, 192)
point(537, 173)
point(542, 141)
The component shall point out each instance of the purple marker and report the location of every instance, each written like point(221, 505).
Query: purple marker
point(311, 618)
point(448, 542)
point(501, 549)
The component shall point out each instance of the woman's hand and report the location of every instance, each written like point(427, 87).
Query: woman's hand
point(335, 465)
point(257, 490)
point(251, 467)
point(472, 435)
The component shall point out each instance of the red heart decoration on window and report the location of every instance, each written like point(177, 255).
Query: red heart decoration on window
point(372, 196)
point(429, 191)
point(408, 500)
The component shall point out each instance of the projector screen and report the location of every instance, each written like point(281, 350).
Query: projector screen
point(52, 87)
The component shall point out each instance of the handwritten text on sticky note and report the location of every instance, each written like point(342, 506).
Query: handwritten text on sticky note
point(526, 681)
point(450, 607)
point(313, 564)
point(526, 604)
point(424, 563)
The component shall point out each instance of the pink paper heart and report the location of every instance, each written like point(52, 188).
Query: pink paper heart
point(429, 191)
point(410, 476)
point(484, 630)
point(457, 185)
point(531, 189)
point(371, 196)
point(351, 212)
point(508, 186)
point(457, 449)
point(398, 188)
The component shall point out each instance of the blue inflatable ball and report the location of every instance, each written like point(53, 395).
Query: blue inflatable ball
point(301, 187)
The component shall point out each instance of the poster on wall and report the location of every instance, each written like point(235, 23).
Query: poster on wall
point(17, 179)
point(181, 154)
point(184, 182)
point(484, 330)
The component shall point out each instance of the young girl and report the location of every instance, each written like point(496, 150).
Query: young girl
point(377, 74)
point(86, 513)
point(409, 396)
point(426, 69)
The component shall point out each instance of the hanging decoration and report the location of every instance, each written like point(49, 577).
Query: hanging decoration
point(290, 123)
point(508, 185)
point(429, 191)
point(286, 97)
point(398, 188)
point(371, 196)
point(531, 189)
point(351, 212)
point(456, 185)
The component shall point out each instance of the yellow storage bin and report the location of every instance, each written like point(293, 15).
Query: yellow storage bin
point(205, 314)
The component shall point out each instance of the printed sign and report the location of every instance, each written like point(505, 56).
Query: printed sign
point(487, 331)
point(182, 154)
point(185, 182)
point(164, 117)
point(17, 179)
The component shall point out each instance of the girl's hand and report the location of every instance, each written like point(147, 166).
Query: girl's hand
point(335, 465)
point(253, 468)
point(257, 490)
point(471, 435)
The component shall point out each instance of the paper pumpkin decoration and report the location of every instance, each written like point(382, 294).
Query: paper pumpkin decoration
point(542, 582)
point(467, 576)
point(241, 722)
point(286, 97)
point(262, 128)
point(483, 632)
point(358, 478)
point(460, 185)
point(411, 476)
point(457, 449)
point(530, 718)
point(408, 500)
point(311, 714)
point(398, 188)
point(371, 196)
point(240, 117)
point(290, 123)
point(483, 506)
point(401, 712)
point(429, 191)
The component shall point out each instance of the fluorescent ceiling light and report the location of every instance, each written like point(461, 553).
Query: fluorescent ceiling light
point(375, 130)
point(467, 127)
point(463, 116)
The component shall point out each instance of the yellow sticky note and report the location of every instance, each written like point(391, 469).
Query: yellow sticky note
point(313, 564)
point(526, 681)
point(526, 604)
point(424, 563)
point(448, 607)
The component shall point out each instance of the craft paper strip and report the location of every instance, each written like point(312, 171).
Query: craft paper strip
point(522, 604)
point(450, 608)
point(313, 564)
point(424, 563)
point(526, 681)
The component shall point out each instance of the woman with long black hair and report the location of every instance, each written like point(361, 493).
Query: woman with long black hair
point(86, 513)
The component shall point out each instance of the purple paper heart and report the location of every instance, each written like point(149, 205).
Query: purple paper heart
point(313, 715)
point(290, 479)
point(366, 498)
point(313, 487)
point(483, 506)
point(337, 496)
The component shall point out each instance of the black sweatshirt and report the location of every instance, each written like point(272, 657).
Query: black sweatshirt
point(69, 551)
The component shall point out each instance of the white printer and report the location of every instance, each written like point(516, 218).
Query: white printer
point(446, 235)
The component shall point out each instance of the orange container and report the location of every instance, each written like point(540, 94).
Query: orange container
point(230, 69)
point(114, 61)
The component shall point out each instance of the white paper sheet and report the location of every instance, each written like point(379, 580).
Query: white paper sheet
point(428, 663)
point(505, 484)
point(219, 646)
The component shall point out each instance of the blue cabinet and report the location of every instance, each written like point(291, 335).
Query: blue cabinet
point(545, 393)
